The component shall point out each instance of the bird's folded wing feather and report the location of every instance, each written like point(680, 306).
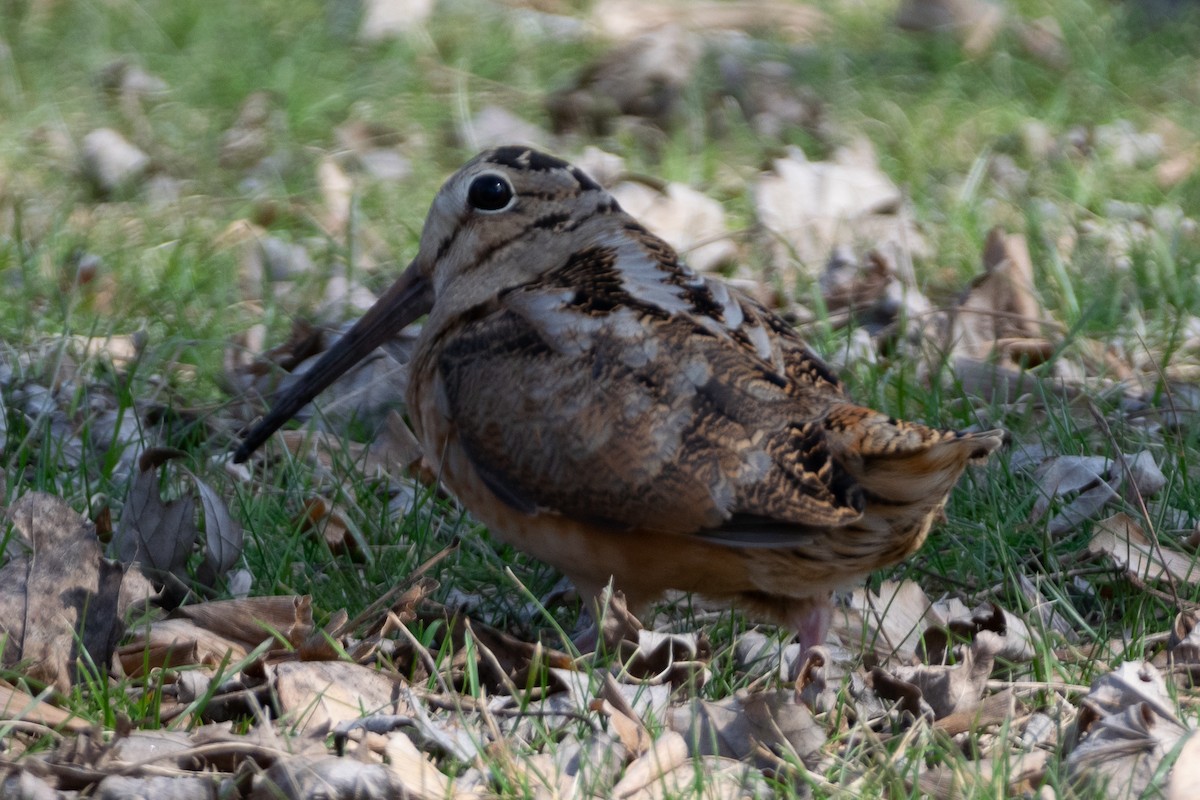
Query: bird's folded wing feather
point(665, 415)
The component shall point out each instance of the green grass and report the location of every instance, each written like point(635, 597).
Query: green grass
point(934, 116)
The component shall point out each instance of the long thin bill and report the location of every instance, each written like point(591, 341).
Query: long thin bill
point(406, 300)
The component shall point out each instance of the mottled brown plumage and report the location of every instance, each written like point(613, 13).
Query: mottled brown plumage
point(600, 406)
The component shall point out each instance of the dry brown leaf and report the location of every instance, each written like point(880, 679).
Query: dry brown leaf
point(1120, 538)
point(711, 777)
point(645, 77)
point(177, 643)
point(1185, 775)
point(680, 659)
point(690, 221)
point(253, 620)
point(889, 622)
point(420, 779)
point(316, 695)
point(978, 779)
point(1126, 726)
point(1016, 638)
point(808, 208)
point(953, 689)
point(765, 727)
point(110, 163)
point(18, 704)
point(177, 787)
point(668, 752)
point(999, 313)
point(339, 534)
point(629, 730)
point(306, 778)
point(1089, 483)
point(157, 535)
point(223, 535)
point(1183, 646)
point(60, 604)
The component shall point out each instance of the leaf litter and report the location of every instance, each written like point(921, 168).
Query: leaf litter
point(415, 694)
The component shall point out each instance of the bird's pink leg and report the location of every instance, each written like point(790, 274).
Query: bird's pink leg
point(811, 621)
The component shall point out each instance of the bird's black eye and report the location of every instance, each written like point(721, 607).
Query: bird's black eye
point(490, 192)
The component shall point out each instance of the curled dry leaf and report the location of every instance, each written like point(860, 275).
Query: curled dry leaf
point(418, 778)
point(826, 682)
point(217, 632)
point(999, 313)
point(1183, 646)
point(668, 752)
point(947, 690)
point(61, 602)
point(1125, 727)
point(1021, 772)
point(1015, 637)
point(156, 534)
point(223, 535)
point(680, 659)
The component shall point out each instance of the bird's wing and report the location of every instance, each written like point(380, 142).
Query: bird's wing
point(642, 402)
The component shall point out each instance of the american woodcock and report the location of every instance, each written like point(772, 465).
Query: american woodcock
point(597, 404)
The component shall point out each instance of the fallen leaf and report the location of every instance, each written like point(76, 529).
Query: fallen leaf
point(690, 221)
point(177, 787)
point(889, 621)
point(18, 704)
point(954, 689)
point(60, 603)
point(1185, 774)
point(644, 77)
point(1125, 727)
point(668, 752)
point(157, 535)
point(223, 535)
point(768, 728)
point(110, 163)
point(1120, 538)
point(807, 208)
point(314, 696)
